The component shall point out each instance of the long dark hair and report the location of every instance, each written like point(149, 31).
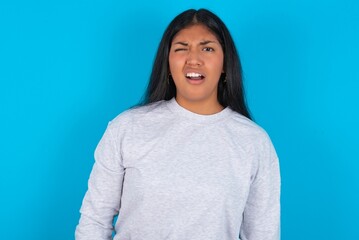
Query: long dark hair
point(230, 86)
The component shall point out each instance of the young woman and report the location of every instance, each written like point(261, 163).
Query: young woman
point(188, 163)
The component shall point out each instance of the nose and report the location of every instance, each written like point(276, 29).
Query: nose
point(194, 58)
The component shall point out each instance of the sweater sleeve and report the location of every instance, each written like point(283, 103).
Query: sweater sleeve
point(102, 199)
point(261, 217)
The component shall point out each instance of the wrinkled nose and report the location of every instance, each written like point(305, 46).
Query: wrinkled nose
point(193, 59)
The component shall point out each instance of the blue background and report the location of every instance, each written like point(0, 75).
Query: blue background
point(68, 67)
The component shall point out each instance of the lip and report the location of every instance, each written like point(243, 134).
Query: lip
point(194, 81)
point(193, 71)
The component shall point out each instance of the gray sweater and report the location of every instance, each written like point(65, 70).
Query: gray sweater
point(172, 174)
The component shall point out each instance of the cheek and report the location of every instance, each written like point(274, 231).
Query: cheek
point(216, 67)
point(175, 64)
point(171, 62)
point(219, 64)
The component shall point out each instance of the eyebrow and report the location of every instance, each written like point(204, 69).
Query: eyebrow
point(181, 43)
point(205, 42)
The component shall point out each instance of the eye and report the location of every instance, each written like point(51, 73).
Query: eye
point(208, 49)
point(180, 49)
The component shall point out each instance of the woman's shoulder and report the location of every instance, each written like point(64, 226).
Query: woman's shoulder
point(250, 134)
point(247, 126)
point(140, 113)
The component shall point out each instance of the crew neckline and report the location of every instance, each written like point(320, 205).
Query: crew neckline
point(173, 105)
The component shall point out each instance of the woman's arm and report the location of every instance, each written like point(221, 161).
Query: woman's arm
point(102, 200)
point(261, 217)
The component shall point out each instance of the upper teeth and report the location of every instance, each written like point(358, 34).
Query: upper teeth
point(193, 75)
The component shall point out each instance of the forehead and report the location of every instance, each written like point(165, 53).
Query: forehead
point(195, 32)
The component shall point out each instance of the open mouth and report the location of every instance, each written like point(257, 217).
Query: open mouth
point(194, 76)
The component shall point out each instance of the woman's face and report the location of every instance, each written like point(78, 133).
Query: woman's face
point(196, 64)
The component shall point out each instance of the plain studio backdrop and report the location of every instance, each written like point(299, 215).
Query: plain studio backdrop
point(68, 67)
